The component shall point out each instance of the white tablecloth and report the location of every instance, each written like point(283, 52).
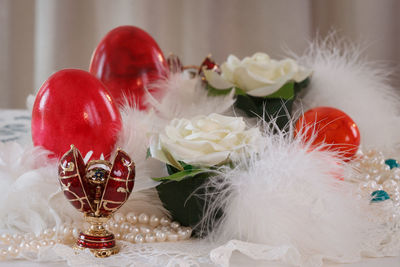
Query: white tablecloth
point(15, 126)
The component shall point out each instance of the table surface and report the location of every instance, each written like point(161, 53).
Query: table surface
point(15, 126)
point(236, 262)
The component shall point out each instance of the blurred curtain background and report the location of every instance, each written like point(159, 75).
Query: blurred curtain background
point(39, 37)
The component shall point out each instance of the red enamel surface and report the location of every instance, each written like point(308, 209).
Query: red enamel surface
point(96, 242)
point(120, 183)
point(127, 61)
point(81, 193)
point(209, 64)
point(71, 181)
point(73, 107)
point(331, 126)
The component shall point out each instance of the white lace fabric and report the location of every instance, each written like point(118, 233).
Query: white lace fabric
point(174, 254)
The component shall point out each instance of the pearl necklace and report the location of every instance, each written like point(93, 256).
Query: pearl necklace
point(374, 174)
point(131, 228)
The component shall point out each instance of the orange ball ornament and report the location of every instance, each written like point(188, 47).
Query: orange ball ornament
point(330, 126)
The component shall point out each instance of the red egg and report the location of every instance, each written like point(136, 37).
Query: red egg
point(128, 61)
point(330, 126)
point(74, 107)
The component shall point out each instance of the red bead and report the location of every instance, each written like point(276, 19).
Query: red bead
point(74, 107)
point(127, 61)
point(209, 64)
point(330, 126)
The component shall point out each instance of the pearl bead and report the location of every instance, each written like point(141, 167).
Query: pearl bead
point(67, 231)
point(144, 229)
point(154, 220)
point(390, 185)
point(370, 185)
point(44, 243)
point(161, 236)
point(130, 237)
point(175, 225)
point(115, 227)
point(172, 237)
point(150, 238)
point(75, 233)
point(139, 238)
point(125, 227)
point(22, 244)
point(184, 233)
point(119, 218)
point(17, 238)
point(48, 233)
point(117, 236)
point(52, 242)
point(165, 228)
point(134, 230)
point(6, 238)
point(143, 218)
point(165, 221)
point(13, 251)
point(131, 217)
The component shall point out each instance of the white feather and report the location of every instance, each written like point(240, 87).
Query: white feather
point(134, 139)
point(29, 189)
point(289, 196)
point(344, 79)
point(186, 98)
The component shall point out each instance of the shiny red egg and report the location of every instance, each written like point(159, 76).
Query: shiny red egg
point(74, 107)
point(128, 61)
point(330, 126)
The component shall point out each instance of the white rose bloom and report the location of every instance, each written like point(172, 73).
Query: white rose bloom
point(258, 75)
point(204, 140)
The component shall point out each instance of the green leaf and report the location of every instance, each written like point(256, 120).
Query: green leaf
point(148, 153)
point(171, 159)
point(217, 92)
point(285, 92)
point(189, 167)
point(303, 84)
point(179, 176)
point(239, 91)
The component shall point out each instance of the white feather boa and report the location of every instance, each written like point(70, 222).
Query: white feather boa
point(344, 79)
point(288, 203)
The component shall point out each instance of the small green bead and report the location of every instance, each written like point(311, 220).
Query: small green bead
point(392, 163)
point(379, 196)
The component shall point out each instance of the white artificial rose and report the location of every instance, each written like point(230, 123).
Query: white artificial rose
point(204, 140)
point(258, 75)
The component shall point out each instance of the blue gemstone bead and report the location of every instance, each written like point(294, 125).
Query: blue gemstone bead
point(379, 195)
point(392, 163)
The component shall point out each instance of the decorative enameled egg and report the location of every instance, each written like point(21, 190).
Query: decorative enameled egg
point(74, 107)
point(128, 61)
